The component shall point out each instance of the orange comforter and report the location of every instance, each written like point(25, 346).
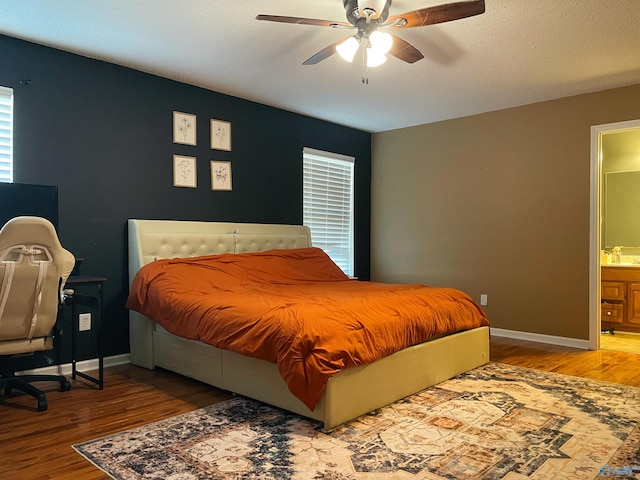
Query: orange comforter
point(297, 309)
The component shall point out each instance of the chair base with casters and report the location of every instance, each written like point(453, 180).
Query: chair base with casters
point(9, 381)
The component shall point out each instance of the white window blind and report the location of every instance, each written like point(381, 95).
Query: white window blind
point(6, 134)
point(328, 204)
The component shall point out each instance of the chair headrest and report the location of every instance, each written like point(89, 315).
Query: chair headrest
point(28, 231)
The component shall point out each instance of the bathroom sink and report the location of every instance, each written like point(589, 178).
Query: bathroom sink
point(624, 260)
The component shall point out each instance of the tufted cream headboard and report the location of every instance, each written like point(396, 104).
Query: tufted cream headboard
point(154, 239)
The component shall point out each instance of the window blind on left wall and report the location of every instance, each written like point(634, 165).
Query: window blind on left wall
point(6, 134)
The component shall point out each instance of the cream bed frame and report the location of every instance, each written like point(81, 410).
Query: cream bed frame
point(349, 394)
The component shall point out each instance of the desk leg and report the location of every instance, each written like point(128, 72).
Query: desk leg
point(74, 338)
point(95, 302)
point(99, 339)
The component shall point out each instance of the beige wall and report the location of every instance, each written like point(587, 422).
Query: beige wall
point(496, 203)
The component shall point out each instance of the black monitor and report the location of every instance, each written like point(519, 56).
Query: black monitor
point(17, 199)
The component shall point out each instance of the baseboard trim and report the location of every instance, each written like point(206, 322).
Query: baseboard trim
point(83, 366)
point(92, 364)
point(541, 338)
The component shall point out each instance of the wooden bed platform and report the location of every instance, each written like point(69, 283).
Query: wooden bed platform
point(349, 394)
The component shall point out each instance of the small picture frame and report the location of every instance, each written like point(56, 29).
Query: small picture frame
point(220, 175)
point(221, 135)
point(184, 171)
point(184, 128)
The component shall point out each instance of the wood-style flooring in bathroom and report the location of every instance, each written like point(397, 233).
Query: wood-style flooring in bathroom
point(620, 342)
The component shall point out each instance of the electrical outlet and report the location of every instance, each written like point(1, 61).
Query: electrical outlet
point(84, 322)
point(483, 299)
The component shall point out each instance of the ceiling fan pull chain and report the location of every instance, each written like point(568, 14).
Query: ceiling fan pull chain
point(365, 69)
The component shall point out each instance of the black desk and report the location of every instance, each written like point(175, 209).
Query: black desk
point(79, 299)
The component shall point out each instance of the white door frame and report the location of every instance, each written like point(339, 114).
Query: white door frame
point(594, 224)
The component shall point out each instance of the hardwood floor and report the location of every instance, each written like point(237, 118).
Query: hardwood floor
point(37, 445)
point(609, 366)
point(621, 342)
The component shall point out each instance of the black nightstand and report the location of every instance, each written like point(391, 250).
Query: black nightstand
point(80, 283)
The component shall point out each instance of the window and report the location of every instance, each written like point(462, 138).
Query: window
point(328, 204)
point(6, 134)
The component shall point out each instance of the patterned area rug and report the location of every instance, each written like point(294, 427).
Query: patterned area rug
point(494, 422)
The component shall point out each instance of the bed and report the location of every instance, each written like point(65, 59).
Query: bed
point(351, 392)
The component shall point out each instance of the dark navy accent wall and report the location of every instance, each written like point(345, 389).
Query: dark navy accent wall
point(103, 134)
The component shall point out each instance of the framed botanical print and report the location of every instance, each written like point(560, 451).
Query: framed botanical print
point(220, 175)
point(184, 171)
point(220, 135)
point(184, 128)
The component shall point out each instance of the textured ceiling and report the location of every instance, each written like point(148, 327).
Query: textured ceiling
point(517, 52)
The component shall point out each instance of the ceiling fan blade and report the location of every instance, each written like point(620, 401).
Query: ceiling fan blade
point(404, 50)
point(324, 53)
point(303, 21)
point(436, 14)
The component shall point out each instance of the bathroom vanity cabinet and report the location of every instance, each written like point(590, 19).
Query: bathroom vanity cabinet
point(620, 297)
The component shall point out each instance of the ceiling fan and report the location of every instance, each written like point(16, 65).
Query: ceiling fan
point(369, 17)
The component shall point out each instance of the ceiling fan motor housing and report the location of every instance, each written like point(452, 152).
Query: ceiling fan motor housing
point(377, 10)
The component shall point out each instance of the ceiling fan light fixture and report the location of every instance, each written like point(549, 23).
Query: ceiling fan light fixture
point(381, 42)
point(348, 48)
point(375, 58)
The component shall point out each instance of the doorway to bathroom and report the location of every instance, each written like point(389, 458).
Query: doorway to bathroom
point(614, 282)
